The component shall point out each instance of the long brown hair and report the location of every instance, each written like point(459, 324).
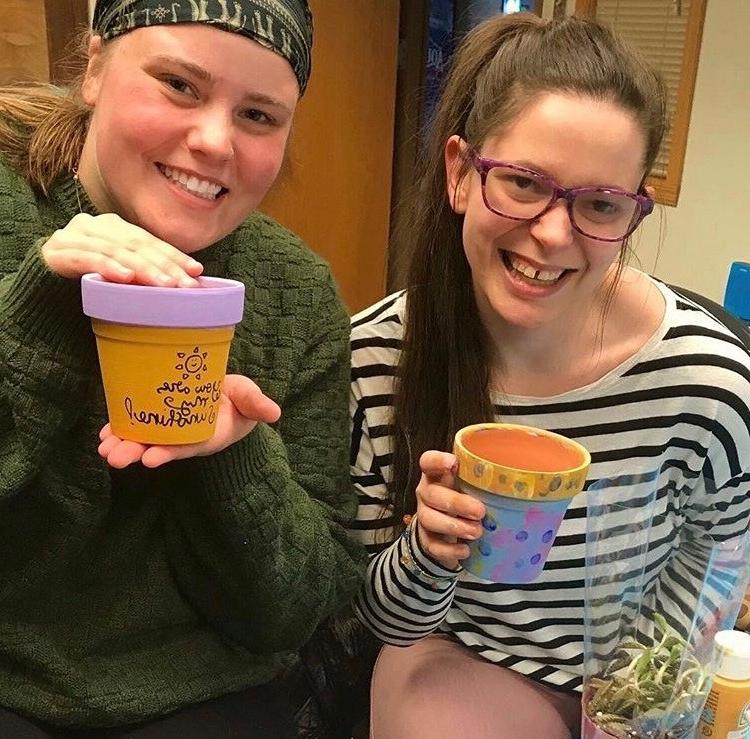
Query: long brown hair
point(43, 127)
point(500, 67)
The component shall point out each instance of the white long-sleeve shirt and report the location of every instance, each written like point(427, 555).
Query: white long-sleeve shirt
point(669, 435)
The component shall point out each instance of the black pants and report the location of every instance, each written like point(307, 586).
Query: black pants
point(263, 712)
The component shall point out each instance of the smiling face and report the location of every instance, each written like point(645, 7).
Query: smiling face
point(543, 272)
point(188, 129)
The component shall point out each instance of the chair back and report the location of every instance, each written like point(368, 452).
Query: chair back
point(734, 324)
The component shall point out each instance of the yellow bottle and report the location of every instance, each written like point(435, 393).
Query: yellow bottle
point(726, 714)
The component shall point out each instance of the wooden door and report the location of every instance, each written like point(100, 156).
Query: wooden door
point(35, 38)
point(23, 42)
point(336, 191)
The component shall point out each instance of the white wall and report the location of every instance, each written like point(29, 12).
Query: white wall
point(710, 227)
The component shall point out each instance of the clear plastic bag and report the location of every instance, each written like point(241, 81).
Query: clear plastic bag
point(652, 611)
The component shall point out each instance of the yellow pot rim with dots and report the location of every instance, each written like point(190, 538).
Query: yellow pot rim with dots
point(514, 482)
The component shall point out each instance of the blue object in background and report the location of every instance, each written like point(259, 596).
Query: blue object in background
point(516, 6)
point(479, 10)
point(439, 48)
point(737, 295)
point(448, 21)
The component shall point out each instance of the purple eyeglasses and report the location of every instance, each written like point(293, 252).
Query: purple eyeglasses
point(521, 194)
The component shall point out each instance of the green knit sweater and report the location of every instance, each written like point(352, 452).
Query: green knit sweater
point(128, 594)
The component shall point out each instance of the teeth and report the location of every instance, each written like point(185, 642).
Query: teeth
point(201, 188)
point(532, 273)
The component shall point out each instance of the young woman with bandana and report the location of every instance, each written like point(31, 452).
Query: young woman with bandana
point(130, 588)
point(521, 307)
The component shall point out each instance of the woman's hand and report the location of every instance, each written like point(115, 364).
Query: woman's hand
point(445, 516)
point(241, 407)
point(119, 252)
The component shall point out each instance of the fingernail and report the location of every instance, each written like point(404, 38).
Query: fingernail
point(166, 279)
point(188, 282)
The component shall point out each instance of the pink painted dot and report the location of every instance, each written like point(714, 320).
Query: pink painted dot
point(501, 538)
point(499, 573)
point(534, 515)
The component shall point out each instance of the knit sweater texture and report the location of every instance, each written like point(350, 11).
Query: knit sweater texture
point(128, 594)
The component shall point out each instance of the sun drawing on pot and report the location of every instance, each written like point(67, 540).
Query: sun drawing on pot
point(192, 364)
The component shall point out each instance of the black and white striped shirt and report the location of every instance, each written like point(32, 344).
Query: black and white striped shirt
point(669, 435)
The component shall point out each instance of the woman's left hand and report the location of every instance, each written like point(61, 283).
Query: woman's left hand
point(241, 407)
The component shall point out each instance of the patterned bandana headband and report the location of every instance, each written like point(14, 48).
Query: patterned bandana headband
point(284, 26)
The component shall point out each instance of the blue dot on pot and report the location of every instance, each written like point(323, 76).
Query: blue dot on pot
point(548, 535)
point(518, 564)
point(485, 548)
point(536, 559)
point(489, 522)
point(522, 535)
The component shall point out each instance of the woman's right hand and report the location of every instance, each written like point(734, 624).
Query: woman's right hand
point(119, 251)
point(445, 516)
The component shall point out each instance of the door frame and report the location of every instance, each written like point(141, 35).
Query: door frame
point(65, 20)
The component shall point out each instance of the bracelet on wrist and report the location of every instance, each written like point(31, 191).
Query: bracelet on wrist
point(409, 561)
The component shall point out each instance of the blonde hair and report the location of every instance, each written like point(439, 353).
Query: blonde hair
point(43, 127)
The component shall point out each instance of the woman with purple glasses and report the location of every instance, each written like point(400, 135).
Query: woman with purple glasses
point(521, 307)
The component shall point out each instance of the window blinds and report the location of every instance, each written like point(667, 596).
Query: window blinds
point(658, 29)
